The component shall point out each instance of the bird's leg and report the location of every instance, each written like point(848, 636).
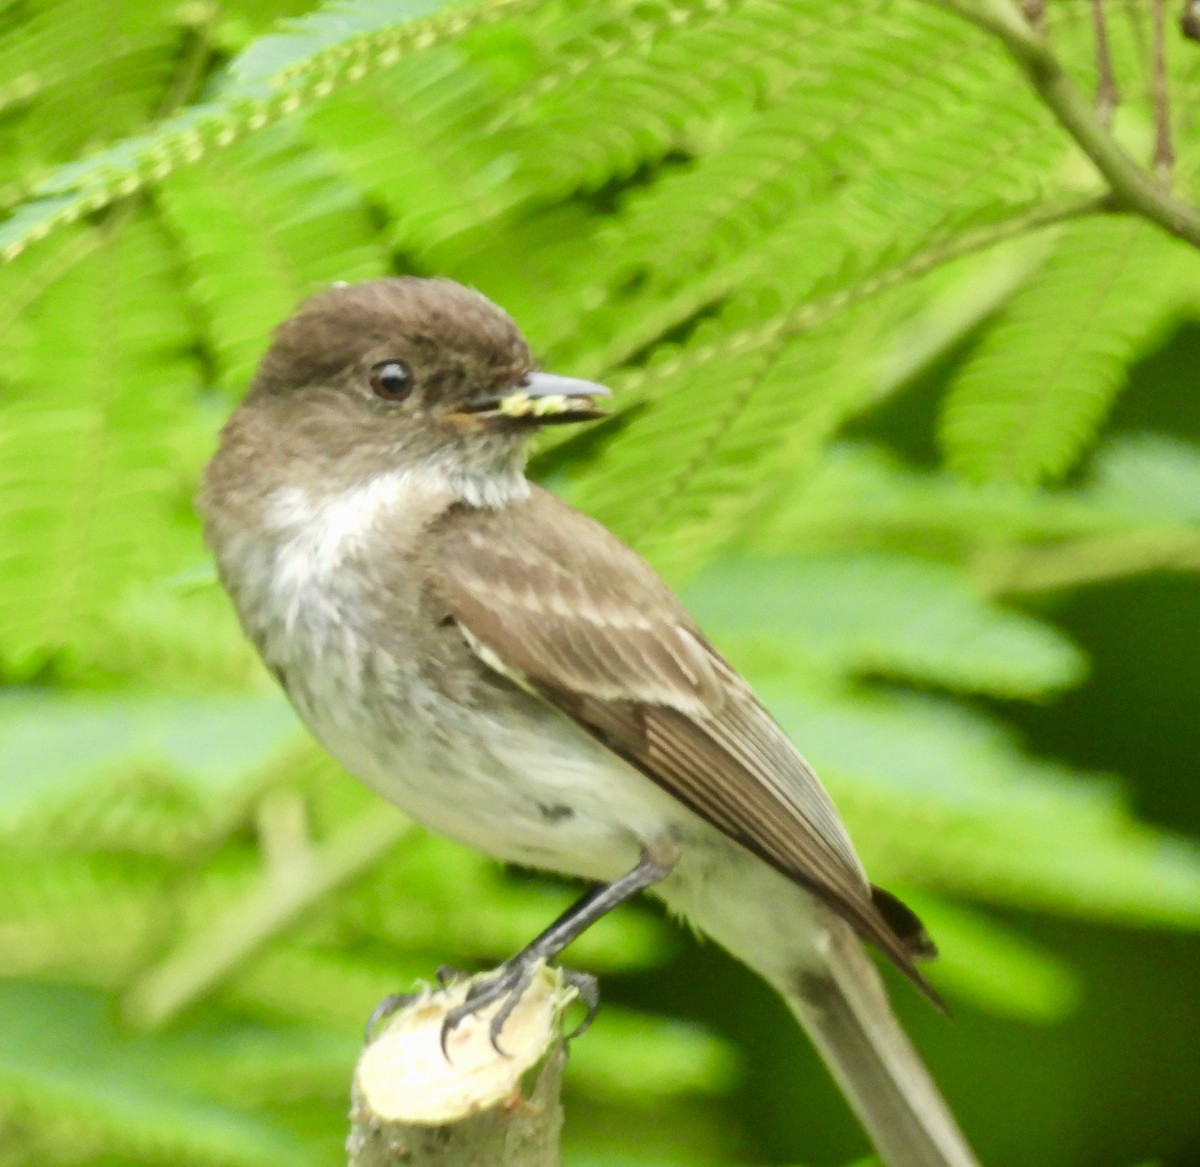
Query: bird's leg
point(1106, 85)
point(1164, 151)
point(1035, 12)
point(513, 977)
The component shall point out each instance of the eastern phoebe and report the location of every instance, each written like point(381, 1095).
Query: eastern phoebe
point(510, 674)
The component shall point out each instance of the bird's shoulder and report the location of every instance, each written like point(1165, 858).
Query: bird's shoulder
point(543, 540)
point(570, 604)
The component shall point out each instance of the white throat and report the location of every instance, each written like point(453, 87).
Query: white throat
point(320, 529)
point(291, 569)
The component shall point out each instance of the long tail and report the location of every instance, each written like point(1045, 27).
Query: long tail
point(845, 1010)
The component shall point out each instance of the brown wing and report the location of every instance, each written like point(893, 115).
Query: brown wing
point(558, 602)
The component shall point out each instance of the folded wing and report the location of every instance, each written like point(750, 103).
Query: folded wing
point(557, 603)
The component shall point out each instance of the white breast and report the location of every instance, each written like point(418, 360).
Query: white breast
point(527, 784)
point(311, 535)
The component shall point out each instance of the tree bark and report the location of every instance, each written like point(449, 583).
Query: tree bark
point(479, 1108)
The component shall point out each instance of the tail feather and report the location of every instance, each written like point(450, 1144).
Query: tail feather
point(845, 1010)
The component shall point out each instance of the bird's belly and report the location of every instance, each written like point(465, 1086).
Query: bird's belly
point(559, 801)
point(519, 781)
point(526, 785)
point(522, 783)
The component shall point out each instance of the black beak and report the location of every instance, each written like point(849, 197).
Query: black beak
point(545, 399)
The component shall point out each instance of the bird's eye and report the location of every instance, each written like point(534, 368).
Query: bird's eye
point(391, 380)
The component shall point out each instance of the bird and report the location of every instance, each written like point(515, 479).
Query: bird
point(510, 674)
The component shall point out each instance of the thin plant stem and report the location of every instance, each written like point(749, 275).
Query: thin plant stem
point(204, 958)
point(1164, 151)
point(1134, 188)
point(1106, 87)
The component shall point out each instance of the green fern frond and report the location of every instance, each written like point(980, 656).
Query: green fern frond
point(939, 797)
point(338, 45)
point(317, 56)
point(570, 43)
point(878, 173)
point(957, 300)
point(447, 143)
point(767, 426)
point(345, 39)
point(607, 125)
point(894, 615)
point(720, 398)
point(653, 90)
point(410, 139)
point(884, 265)
point(1033, 393)
point(863, 496)
point(992, 966)
point(834, 124)
point(86, 919)
point(514, 129)
point(73, 74)
point(263, 225)
point(63, 750)
point(99, 380)
point(1150, 476)
point(141, 1106)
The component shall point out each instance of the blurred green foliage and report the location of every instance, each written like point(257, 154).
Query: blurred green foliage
point(865, 317)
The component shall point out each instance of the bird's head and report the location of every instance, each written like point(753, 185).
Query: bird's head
point(404, 370)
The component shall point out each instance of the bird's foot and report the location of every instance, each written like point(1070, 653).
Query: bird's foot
point(445, 975)
point(392, 1003)
point(507, 985)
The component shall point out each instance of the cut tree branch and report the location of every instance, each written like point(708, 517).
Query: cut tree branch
point(1134, 188)
point(414, 1105)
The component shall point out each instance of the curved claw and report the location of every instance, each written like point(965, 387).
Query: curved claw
point(507, 982)
point(588, 989)
point(508, 986)
point(392, 1003)
point(449, 1024)
point(520, 981)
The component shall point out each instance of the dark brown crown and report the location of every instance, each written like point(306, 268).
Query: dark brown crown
point(432, 323)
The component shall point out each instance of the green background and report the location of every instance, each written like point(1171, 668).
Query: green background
point(906, 407)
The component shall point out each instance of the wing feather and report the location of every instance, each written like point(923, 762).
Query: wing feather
point(560, 604)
